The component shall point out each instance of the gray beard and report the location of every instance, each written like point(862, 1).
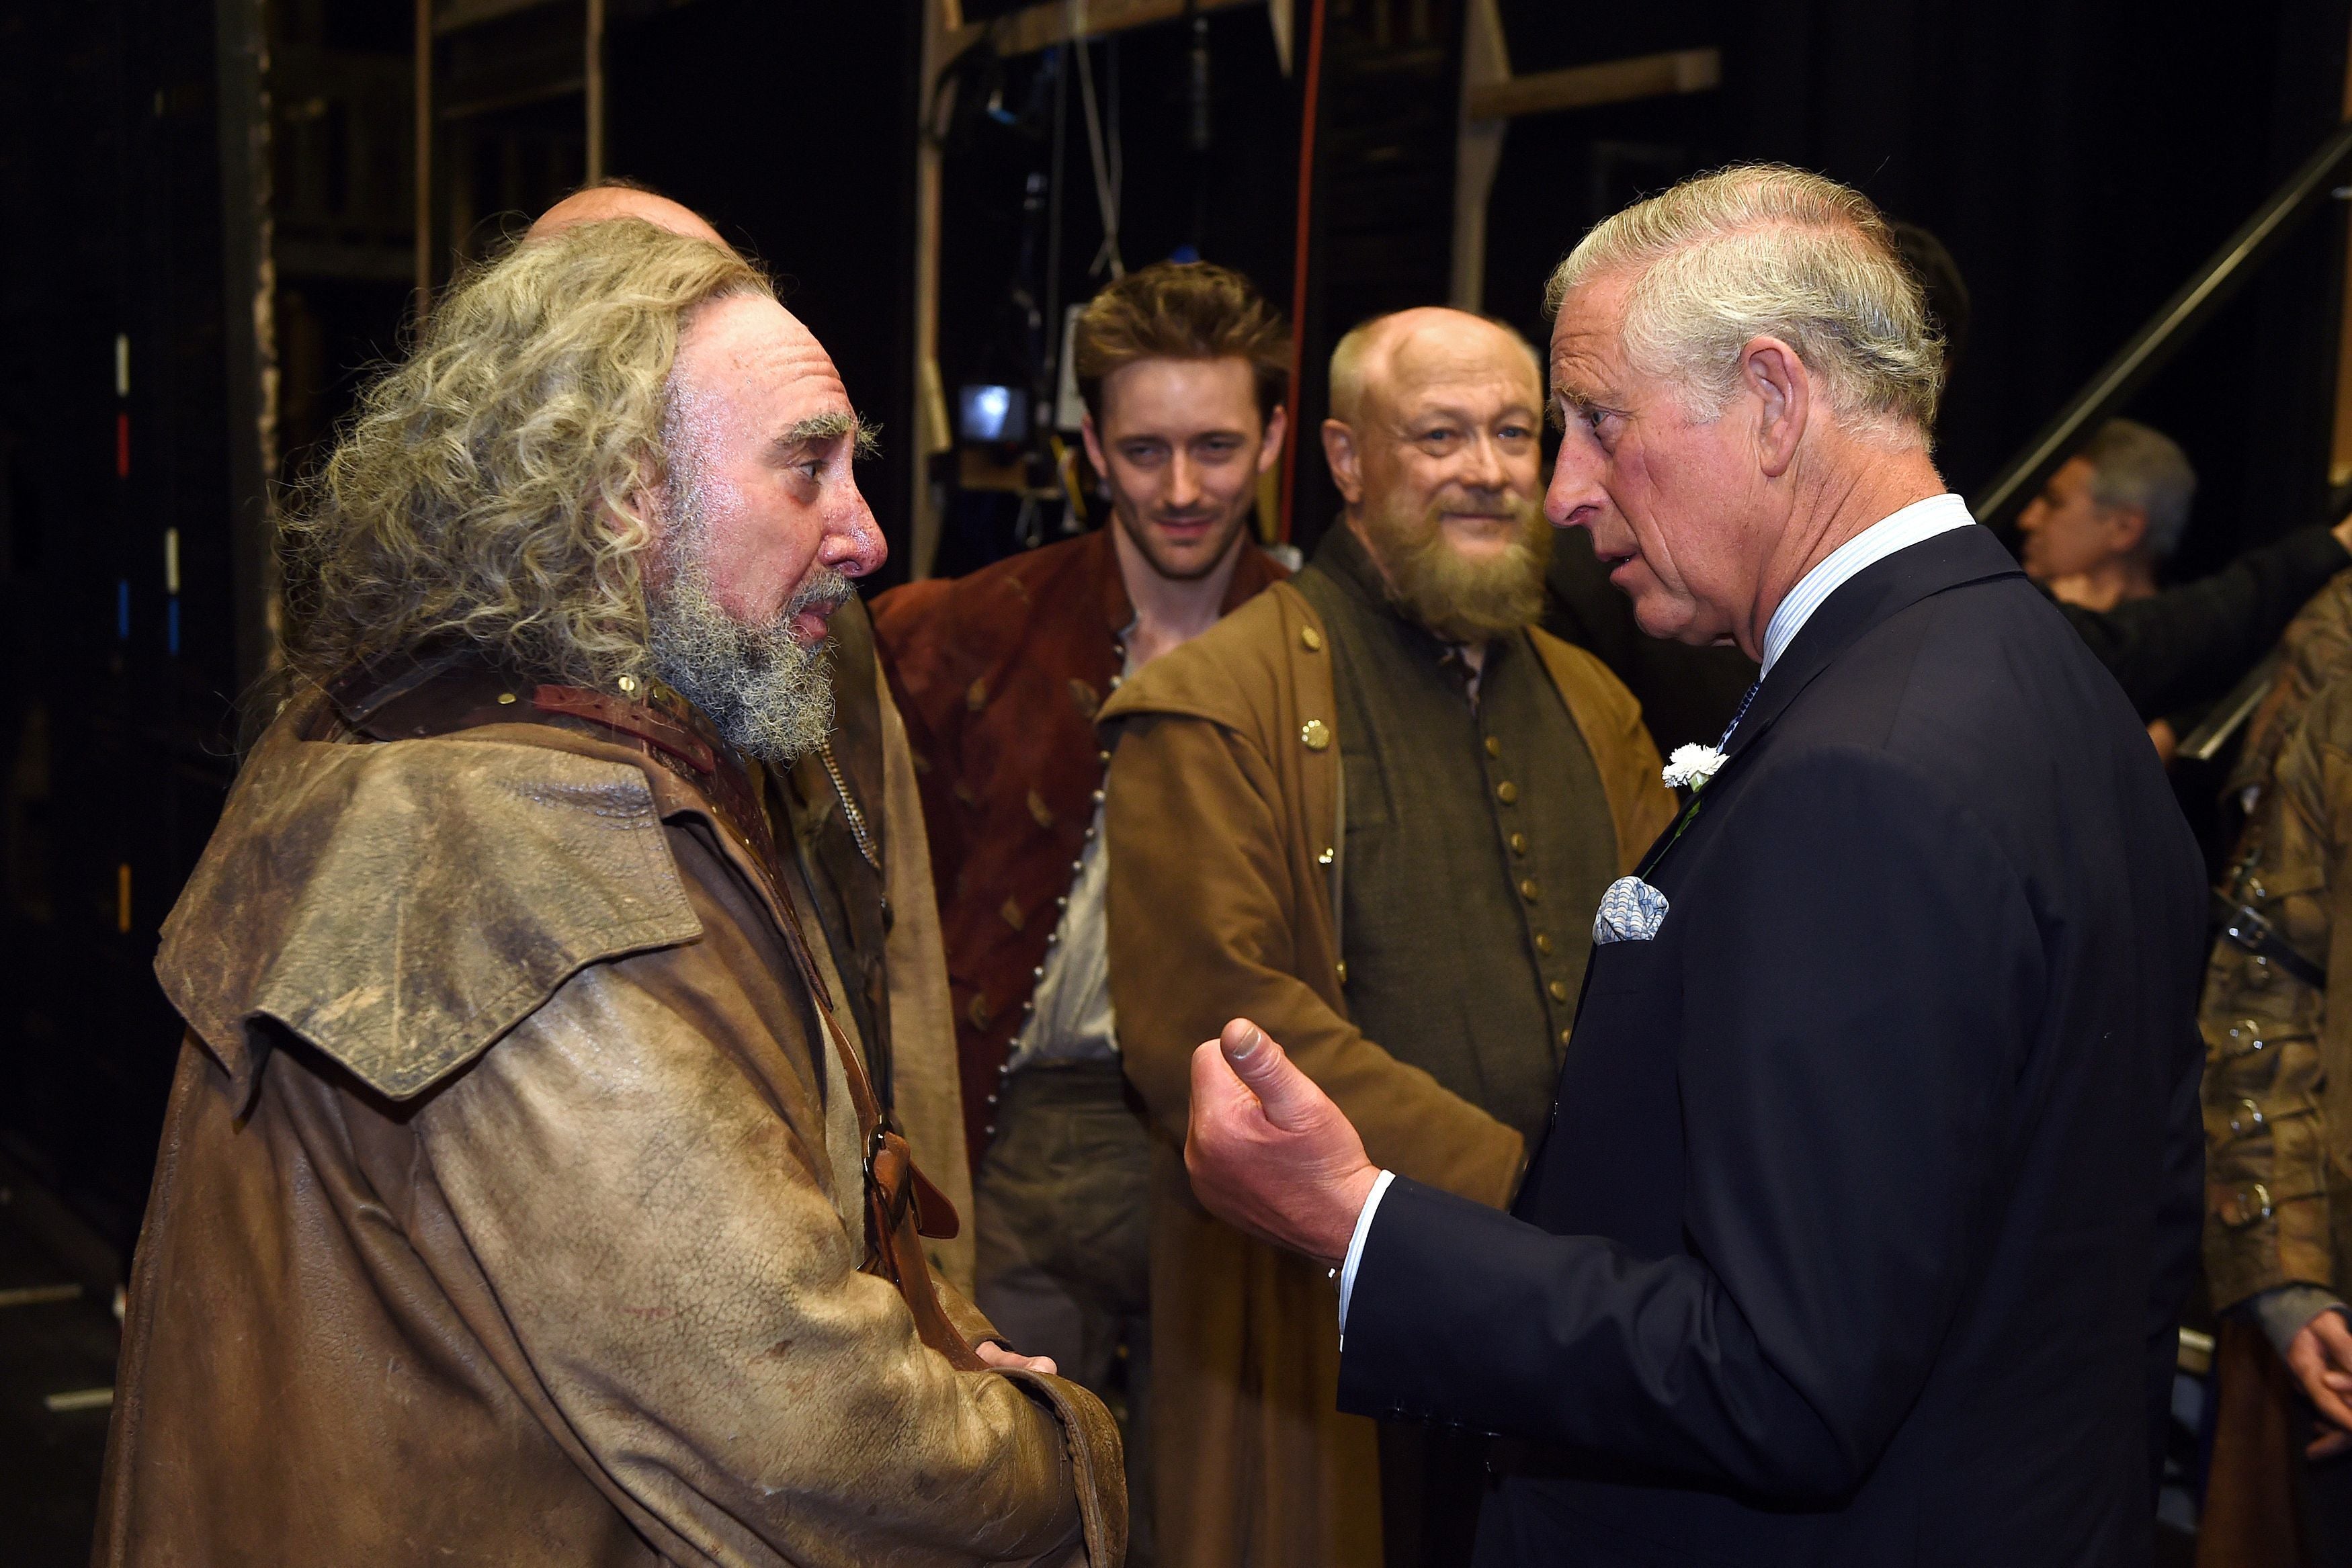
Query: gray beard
point(769, 696)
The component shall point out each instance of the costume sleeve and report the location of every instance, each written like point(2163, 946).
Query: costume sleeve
point(920, 664)
point(1640, 805)
point(2191, 644)
point(1205, 913)
point(655, 1229)
point(2266, 1221)
point(927, 1091)
point(1842, 1069)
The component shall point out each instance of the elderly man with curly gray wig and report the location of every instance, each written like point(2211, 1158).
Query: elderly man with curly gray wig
point(1872, 1183)
point(525, 1196)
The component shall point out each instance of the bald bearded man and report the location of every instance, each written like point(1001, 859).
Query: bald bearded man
point(857, 823)
point(1377, 803)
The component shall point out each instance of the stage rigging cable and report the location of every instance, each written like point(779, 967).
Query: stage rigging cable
point(1298, 274)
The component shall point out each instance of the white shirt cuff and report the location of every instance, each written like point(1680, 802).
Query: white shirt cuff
point(1356, 1249)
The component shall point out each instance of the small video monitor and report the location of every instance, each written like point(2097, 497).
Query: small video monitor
point(992, 413)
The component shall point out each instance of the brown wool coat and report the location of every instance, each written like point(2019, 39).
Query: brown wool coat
point(495, 1220)
point(1225, 817)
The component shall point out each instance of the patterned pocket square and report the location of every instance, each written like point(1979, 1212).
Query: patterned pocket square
point(1631, 911)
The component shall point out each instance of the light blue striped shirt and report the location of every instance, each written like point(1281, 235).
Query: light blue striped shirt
point(1919, 520)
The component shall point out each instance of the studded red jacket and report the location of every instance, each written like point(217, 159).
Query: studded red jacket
point(999, 675)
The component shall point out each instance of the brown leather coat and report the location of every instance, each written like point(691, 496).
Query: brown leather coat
point(497, 1219)
point(1000, 675)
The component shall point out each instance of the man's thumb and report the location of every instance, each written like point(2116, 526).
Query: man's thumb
point(1262, 1065)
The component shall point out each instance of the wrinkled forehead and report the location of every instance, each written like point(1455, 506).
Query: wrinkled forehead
point(1462, 361)
point(748, 351)
point(1588, 345)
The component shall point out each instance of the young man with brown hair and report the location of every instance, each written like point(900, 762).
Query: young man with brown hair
point(1184, 369)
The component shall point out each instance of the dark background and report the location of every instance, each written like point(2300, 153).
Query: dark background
point(2079, 159)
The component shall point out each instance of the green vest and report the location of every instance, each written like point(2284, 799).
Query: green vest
point(1478, 845)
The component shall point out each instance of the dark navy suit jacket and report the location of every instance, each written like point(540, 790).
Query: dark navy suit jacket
point(1872, 1188)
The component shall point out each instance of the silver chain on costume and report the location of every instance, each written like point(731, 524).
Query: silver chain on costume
point(850, 813)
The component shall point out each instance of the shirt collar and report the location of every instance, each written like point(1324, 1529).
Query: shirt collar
point(1919, 520)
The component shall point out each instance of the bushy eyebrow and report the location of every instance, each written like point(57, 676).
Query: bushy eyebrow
point(832, 425)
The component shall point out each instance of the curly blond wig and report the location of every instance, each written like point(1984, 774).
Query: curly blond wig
point(491, 486)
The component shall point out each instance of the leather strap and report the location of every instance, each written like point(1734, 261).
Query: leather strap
point(2248, 928)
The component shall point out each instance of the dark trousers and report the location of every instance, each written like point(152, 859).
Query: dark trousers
point(1063, 1233)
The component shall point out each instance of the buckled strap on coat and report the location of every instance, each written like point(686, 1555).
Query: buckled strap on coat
point(2248, 928)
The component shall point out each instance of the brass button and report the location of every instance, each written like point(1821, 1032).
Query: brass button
point(1310, 639)
point(629, 683)
point(1343, 971)
point(1506, 791)
point(506, 697)
point(1315, 735)
point(1559, 989)
point(1328, 856)
point(1519, 843)
point(1494, 746)
point(1543, 943)
point(1563, 1037)
point(1530, 890)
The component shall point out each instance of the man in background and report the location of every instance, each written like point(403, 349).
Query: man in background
point(2109, 517)
point(1184, 369)
point(1380, 805)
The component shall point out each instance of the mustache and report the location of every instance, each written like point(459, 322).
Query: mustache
point(1496, 502)
point(824, 589)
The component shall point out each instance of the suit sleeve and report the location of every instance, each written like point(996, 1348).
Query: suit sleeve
point(681, 1285)
point(2189, 644)
point(1203, 916)
point(1839, 1065)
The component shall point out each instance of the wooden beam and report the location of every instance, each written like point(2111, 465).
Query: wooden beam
point(423, 157)
point(457, 16)
point(248, 259)
point(2339, 457)
point(944, 37)
point(1478, 149)
point(593, 89)
point(1041, 27)
point(1588, 86)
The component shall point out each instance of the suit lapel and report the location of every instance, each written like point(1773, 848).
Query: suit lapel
point(1876, 594)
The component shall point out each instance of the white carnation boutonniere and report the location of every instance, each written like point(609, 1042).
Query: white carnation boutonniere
point(1692, 765)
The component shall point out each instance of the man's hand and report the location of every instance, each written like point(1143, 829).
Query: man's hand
point(1268, 1152)
point(2320, 1355)
point(1003, 1360)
